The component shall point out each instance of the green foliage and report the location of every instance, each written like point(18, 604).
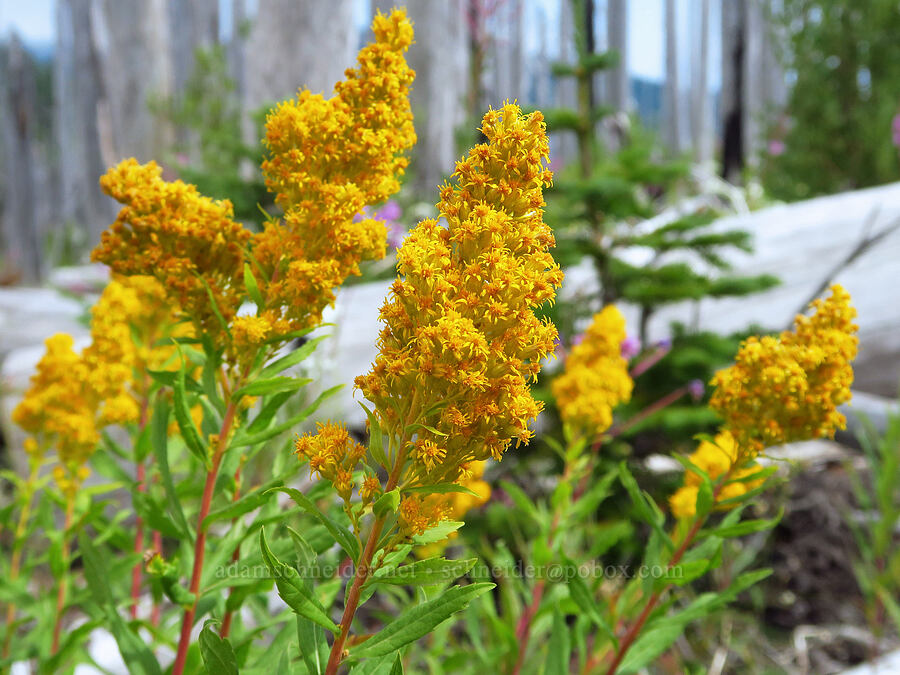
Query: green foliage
point(877, 565)
point(835, 132)
point(211, 152)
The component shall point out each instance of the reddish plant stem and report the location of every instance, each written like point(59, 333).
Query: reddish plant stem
point(63, 582)
point(226, 621)
point(649, 361)
point(362, 574)
point(651, 409)
point(200, 543)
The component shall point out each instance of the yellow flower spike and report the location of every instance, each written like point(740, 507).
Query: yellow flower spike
point(779, 390)
point(788, 388)
point(596, 377)
point(460, 342)
point(328, 159)
point(188, 242)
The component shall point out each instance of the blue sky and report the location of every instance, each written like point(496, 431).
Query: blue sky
point(35, 22)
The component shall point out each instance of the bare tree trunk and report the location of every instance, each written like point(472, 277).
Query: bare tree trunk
point(732, 97)
point(617, 87)
point(77, 100)
point(700, 108)
point(764, 84)
point(297, 44)
point(563, 144)
point(671, 120)
point(439, 58)
point(18, 113)
point(132, 43)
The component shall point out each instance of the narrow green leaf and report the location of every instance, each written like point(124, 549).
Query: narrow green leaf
point(341, 534)
point(135, 653)
point(419, 620)
point(186, 423)
point(387, 503)
point(272, 385)
point(268, 411)
point(313, 645)
point(217, 653)
point(582, 596)
point(437, 533)
point(558, 650)
point(253, 439)
point(296, 593)
point(376, 441)
point(521, 500)
point(440, 489)
point(246, 504)
point(416, 427)
point(168, 378)
point(253, 288)
point(159, 439)
point(293, 358)
point(424, 572)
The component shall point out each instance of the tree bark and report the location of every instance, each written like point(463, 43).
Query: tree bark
point(18, 113)
point(671, 120)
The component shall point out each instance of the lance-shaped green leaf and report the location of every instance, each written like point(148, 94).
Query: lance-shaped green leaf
point(135, 653)
point(159, 438)
point(186, 423)
point(341, 534)
point(441, 489)
point(294, 590)
point(291, 359)
point(437, 533)
point(419, 620)
point(272, 385)
point(253, 288)
point(217, 653)
point(424, 572)
point(246, 504)
point(387, 503)
point(244, 439)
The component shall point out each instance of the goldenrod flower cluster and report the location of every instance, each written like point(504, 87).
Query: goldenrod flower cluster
point(190, 243)
point(461, 342)
point(59, 407)
point(334, 455)
point(328, 160)
point(130, 315)
point(596, 377)
point(780, 390)
point(717, 458)
point(73, 396)
point(787, 388)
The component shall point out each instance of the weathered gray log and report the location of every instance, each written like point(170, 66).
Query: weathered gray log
point(77, 93)
point(131, 41)
point(297, 43)
point(671, 92)
point(701, 102)
point(18, 115)
point(439, 57)
point(617, 86)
